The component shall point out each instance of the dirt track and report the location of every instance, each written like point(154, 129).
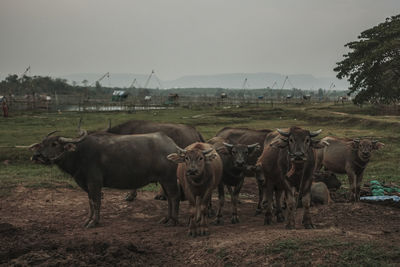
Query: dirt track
point(44, 226)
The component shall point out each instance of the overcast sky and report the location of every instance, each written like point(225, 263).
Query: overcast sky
point(182, 37)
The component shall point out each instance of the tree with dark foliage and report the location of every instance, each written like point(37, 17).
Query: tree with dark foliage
point(373, 65)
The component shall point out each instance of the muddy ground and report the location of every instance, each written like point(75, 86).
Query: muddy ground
point(45, 227)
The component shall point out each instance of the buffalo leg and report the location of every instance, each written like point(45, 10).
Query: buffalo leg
point(221, 201)
point(203, 224)
point(260, 183)
point(201, 209)
point(234, 201)
point(268, 189)
point(94, 194)
point(278, 198)
point(172, 192)
point(210, 210)
point(306, 199)
point(91, 212)
point(353, 185)
point(192, 221)
point(131, 196)
point(290, 202)
point(358, 186)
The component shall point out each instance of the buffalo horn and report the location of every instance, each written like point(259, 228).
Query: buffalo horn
point(181, 150)
point(253, 145)
point(50, 133)
point(357, 140)
point(325, 143)
point(74, 140)
point(314, 134)
point(205, 152)
point(228, 145)
point(286, 134)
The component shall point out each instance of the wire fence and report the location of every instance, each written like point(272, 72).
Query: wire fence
point(133, 103)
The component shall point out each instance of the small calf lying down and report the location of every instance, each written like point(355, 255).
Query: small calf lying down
point(320, 193)
point(199, 172)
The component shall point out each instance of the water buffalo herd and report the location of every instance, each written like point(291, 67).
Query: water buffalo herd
point(284, 162)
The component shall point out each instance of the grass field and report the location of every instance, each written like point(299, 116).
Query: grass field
point(332, 248)
point(337, 120)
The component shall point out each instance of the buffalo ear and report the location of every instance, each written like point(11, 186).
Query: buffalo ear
point(222, 150)
point(378, 145)
point(70, 147)
point(280, 143)
point(319, 144)
point(175, 157)
point(210, 156)
point(355, 144)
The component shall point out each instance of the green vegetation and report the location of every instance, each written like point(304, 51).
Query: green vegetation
point(349, 120)
point(29, 85)
point(372, 66)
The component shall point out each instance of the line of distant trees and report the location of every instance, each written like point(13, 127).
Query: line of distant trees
point(29, 85)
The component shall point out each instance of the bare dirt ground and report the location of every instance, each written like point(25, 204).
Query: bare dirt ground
point(45, 227)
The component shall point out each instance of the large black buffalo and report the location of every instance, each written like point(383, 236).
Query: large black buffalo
point(248, 136)
point(183, 135)
point(117, 161)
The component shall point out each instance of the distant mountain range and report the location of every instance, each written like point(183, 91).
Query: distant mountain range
point(230, 80)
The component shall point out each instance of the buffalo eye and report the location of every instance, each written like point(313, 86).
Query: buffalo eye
point(291, 140)
point(201, 158)
point(186, 158)
point(54, 144)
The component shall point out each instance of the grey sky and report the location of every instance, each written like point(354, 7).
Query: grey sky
point(182, 37)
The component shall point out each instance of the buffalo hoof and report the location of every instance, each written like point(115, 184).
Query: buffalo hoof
point(130, 196)
point(267, 221)
point(91, 224)
point(87, 222)
point(203, 232)
point(289, 226)
point(218, 221)
point(192, 233)
point(280, 218)
point(160, 197)
point(234, 219)
point(309, 226)
point(167, 221)
point(258, 212)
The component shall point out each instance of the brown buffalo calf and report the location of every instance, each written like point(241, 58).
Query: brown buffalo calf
point(199, 172)
point(347, 156)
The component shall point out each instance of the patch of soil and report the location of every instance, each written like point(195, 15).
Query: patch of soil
point(45, 227)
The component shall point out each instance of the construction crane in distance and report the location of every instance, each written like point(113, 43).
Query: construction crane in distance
point(101, 78)
point(283, 85)
point(148, 79)
point(135, 82)
point(25, 72)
